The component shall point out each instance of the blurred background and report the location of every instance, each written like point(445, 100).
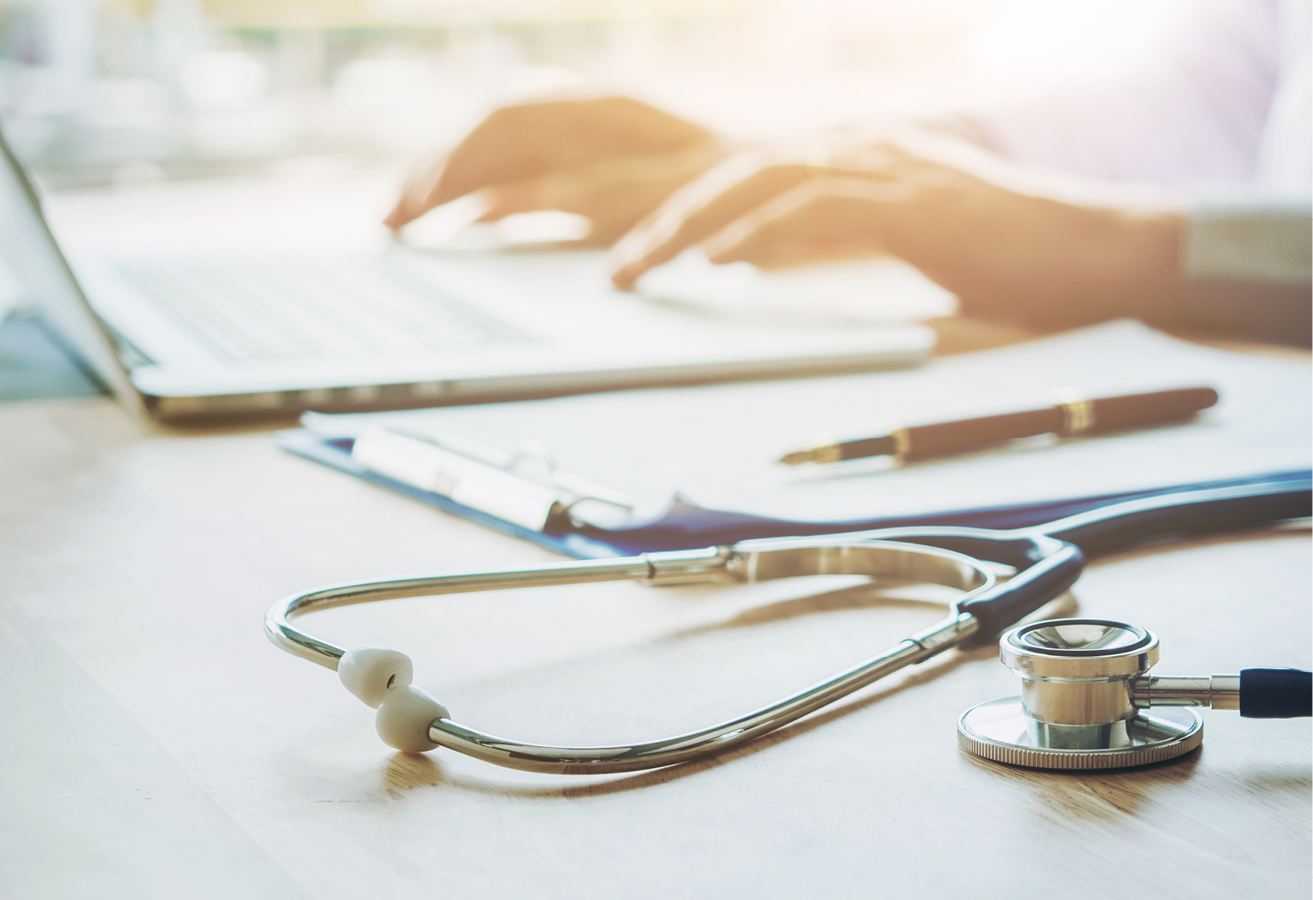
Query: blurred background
point(126, 92)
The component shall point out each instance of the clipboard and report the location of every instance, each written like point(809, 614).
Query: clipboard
point(684, 525)
point(712, 445)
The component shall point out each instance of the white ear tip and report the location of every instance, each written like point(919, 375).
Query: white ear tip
point(404, 718)
point(371, 672)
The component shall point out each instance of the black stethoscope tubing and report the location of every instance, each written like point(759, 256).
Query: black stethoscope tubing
point(1050, 558)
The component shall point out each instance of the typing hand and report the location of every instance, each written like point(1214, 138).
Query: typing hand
point(1007, 242)
point(736, 191)
point(610, 159)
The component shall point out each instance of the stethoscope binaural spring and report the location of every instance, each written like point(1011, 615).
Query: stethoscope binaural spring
point(1045, 560)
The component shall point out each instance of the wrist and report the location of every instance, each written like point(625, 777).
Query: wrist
point(1147, 266)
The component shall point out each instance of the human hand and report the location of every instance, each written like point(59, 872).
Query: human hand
point(1006, 242)
point(610, 159)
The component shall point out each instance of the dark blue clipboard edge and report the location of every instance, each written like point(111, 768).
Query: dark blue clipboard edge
point(714, 527)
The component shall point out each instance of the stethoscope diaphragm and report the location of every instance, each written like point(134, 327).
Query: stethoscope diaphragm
point(1087, 701)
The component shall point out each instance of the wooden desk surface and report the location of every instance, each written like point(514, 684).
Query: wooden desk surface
point(156, 745)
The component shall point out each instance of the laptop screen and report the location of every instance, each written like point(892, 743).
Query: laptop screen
point(30, 252)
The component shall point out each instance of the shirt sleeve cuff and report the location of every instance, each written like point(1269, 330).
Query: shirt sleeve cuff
point(1261, 240)
point(1249, 267)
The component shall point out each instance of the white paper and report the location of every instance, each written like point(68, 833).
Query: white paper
point(718, 444)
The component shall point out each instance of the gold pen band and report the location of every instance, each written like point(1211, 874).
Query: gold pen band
point(1077, 415)
point(902, 445)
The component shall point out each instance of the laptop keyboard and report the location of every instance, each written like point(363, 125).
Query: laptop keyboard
point(248, 310)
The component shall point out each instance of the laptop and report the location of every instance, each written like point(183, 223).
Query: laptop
point(191, 336)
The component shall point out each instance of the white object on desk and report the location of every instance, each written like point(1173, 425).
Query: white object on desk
point(481, 478)
point(717, 445)
point(469, 482)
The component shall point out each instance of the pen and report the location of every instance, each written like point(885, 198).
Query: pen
point(1067, 418)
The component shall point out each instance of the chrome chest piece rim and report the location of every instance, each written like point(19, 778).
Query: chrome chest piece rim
point(999, 731)
point(1076, 709)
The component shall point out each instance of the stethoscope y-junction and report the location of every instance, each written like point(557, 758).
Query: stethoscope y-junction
point(1045, 562)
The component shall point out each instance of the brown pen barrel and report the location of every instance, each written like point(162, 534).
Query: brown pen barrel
point(946, 438)
point(1159, 408)
point(1106, 414)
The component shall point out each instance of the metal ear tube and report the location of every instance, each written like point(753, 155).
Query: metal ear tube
point(1087, 701)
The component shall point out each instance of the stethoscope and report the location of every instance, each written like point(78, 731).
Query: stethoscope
point(1094, 667)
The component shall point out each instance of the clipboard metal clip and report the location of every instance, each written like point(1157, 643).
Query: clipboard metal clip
point(498, 484)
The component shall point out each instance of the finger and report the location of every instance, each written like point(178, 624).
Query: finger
point(612, 194)
point(532, 139)
point(502, 200)
point(581, 191)
point(573, 190)
point(414, 200)
point(699, 210)
point(514, 143)
point(528, 140)
point(819, 221)
point(495, 151)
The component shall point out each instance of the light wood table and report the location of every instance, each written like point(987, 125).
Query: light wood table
point(154, 744)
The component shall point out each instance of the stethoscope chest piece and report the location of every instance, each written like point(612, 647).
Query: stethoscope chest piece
point(1078, 705)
